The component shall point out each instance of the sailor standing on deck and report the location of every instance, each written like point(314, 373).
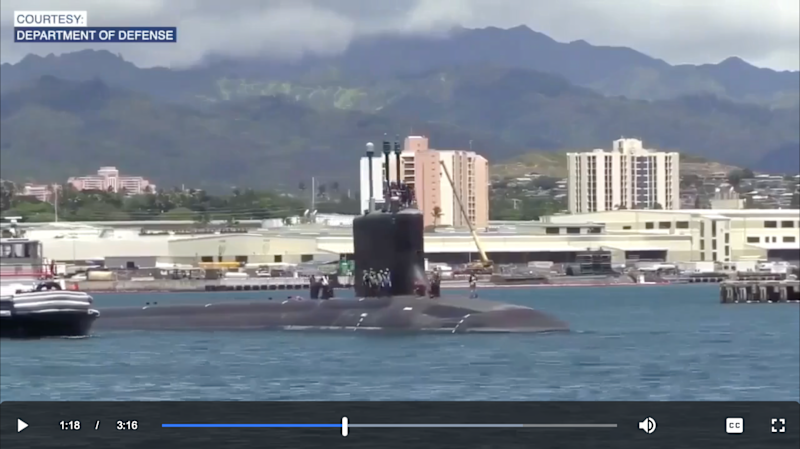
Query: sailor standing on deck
point(371, 283)
point(383, 278)
point(436, 284)
point(327, 291)
point(365, 282)
point(374, 284)
point(419, 288)
point(314, 283)
point(473, 285)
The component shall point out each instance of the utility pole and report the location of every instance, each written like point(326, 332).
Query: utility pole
point(313, 194)
point(55, 202)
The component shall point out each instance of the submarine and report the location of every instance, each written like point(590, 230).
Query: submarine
point(388, 240)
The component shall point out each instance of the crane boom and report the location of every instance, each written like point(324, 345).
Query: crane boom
point(484, 258)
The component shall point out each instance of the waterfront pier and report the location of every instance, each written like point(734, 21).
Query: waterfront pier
point(759, 291)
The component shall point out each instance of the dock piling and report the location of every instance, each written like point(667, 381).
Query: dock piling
point(759, 291)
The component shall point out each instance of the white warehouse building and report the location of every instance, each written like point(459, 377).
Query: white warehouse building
point(715, 235)
point(669, 235)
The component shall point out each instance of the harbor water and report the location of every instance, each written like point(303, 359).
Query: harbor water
point(627, 343)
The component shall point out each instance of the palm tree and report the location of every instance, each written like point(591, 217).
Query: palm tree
point(52, 195)
point(8, 190)
point(437, 215)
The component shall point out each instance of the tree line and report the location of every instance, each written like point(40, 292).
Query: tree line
point(68, 204)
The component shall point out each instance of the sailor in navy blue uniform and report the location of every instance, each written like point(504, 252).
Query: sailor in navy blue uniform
point(473, 286)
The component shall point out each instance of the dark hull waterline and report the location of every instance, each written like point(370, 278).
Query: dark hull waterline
point(43, 325)
point(401, 313)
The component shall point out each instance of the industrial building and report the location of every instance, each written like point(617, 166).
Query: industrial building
point(713, 235)
point(672, 236)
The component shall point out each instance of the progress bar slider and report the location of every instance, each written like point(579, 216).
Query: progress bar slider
point(346, 425)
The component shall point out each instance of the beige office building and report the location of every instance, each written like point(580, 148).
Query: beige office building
point(421, 168)
point(627, 177)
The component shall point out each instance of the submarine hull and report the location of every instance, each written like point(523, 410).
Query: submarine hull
point(399, 313)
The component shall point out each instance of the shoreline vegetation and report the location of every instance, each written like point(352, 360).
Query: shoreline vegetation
point(240, 204)
point(176, 204)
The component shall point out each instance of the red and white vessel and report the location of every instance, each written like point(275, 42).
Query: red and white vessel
point(33, 303)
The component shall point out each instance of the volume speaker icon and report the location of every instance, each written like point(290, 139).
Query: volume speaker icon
point(648, 425)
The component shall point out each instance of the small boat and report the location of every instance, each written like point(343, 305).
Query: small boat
point(32, 303)
point(46, 310)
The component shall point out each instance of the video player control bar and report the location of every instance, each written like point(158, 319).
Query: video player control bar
point(346, 425)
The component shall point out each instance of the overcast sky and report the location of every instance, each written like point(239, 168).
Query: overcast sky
point(763, 32)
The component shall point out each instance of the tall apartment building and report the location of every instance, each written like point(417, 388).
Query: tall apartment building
point(420, 168)
point(109, 178)
point(629, 176)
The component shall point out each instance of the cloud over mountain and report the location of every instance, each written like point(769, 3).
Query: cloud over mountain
point(679, 31)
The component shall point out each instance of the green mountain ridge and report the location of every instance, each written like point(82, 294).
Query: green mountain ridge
point(535, 110)
point(611, 71)
point(53, 129)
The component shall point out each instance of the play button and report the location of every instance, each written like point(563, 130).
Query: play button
point(21, 425)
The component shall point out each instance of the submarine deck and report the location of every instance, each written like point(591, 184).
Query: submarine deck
point(400, 313)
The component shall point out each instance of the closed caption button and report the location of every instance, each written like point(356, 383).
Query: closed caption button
point(734, 425)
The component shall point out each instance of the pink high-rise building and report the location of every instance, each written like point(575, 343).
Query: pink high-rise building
point(421, 167)
point(108, 178)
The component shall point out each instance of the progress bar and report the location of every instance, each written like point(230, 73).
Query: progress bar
point(486, 426)
point(345, 425)
point(401, 426)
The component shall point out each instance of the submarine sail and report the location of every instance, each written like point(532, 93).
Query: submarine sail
point(389, 241)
